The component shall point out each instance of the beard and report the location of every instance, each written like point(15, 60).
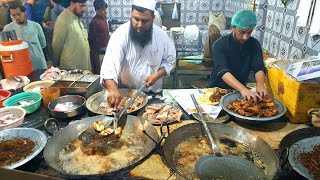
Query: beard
point(142, 38)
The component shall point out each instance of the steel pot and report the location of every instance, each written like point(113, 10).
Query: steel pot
point(75, 100)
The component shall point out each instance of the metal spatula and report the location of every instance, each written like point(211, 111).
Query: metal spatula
point(226, 166)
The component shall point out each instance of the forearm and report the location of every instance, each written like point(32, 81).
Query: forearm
point(260, 79)
point(160, 73)
point(110, 85)
point(233, 82)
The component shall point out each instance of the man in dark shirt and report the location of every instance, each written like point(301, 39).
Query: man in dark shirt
point(236, 54)
point(98, 33)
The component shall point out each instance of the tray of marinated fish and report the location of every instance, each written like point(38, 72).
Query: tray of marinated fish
point(160, 113)
point(263, 110)
point(98, 104)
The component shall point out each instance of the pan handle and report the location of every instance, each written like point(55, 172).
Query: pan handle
point(283, 156)
point(163, 134)
point(51, 126)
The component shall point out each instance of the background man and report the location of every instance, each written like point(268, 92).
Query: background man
point(29, 4)
point(138, 53)
point(98, 33)
point(70, 38)
point(28, 31)
point(236, 54)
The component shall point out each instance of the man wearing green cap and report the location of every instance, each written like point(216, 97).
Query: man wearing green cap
point(236, 54)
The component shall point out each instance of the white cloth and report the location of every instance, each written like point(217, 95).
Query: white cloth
point(303, 12)
point(148, 4)
point(191, 33)
point(128, 64)
point(315, 24)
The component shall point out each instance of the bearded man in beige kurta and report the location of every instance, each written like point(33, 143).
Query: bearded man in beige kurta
point(70, 39)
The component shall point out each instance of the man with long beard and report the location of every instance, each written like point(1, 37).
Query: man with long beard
point(137, 53)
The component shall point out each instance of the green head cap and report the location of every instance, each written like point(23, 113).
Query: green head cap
point(245, 19)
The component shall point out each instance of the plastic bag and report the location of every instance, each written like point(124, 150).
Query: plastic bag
point(175, 15)
point(160, 11)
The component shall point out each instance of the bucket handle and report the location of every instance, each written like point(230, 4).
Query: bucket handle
point(8, 60)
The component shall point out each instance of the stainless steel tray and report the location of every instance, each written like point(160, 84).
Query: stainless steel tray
point(93, 102)
point(84, 85)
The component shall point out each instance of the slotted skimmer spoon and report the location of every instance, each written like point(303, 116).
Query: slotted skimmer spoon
point(220, 166)
point(119, 120)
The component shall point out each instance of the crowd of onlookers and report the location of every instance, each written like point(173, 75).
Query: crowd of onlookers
point(59, 36)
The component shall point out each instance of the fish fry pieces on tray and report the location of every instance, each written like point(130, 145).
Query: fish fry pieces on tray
point(212, 96)
point(263, 108)
point(161, 113)
point(135, 106)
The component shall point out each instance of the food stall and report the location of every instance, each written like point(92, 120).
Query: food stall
point(270, 138)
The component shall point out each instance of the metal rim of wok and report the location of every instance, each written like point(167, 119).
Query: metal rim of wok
point(302, 146)
point(35, 135)
point(237, 134)
point(63, 137)
point(94, 101)
point(227, 99)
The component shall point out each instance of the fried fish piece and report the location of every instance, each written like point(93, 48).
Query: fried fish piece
point(106, 132)
point(118, 132)
point(98, 126)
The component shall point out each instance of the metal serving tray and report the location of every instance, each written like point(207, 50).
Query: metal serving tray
point(85, 85)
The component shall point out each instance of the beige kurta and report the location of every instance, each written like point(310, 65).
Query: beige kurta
point(70, 42)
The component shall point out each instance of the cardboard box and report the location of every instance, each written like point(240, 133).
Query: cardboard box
point(297, 96)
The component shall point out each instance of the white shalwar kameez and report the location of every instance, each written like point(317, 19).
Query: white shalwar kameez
point(128, 64)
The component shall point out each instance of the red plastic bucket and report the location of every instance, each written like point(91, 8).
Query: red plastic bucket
point(4, 94)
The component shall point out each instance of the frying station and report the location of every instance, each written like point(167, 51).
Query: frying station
point(158, 150)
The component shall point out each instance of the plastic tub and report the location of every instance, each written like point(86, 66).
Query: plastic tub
point(20, 112)
point(13, 101)
point(5, 94)
point(37, 86)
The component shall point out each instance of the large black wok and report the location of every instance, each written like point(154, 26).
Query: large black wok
point(236, 134)
point(71, 132)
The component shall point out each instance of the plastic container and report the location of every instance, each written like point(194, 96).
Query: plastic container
point(15, 58)
point(20, 112)
point(38, 86)
point(13, 101)
point(49, 95)
point(5, 94)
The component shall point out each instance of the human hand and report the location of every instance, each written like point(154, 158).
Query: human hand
point(150, 80)
point(114, 99)
point(261, 91)
point(249, 95)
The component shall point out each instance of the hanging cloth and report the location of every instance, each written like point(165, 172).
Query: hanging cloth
point(303, 13)
point(175, 15)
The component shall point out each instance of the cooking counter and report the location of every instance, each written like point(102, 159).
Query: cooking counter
point(154, 166)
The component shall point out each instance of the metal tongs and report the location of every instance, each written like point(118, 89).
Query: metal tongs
point(117, 120)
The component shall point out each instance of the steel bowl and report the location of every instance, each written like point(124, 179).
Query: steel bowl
point(77, 102)
point(227, 99)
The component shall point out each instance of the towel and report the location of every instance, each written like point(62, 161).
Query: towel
point(191, 33)
point(302, 12)
point(315, 25)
